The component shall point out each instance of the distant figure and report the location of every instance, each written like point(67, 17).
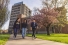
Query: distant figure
point(24, 28)
point(16, 27)
point(33, 26)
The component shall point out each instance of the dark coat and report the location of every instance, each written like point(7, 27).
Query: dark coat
point(17, 26)
point(34, 25)
point(24, 25)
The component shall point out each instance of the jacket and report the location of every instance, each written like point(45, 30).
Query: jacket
point(24, 25)
point(16, 26)
point(34, 25)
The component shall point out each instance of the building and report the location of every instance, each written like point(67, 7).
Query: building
point(17, 9)
point(4, 4)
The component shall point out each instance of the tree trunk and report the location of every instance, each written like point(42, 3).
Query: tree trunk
point(60, 29)
point(47, 29)
point(52, 29)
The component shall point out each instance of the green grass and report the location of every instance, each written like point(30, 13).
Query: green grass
point(63, 38)
point(3, 38)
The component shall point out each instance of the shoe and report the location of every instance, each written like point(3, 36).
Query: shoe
point(23, 37)
point(32, 38)
point(14, 37)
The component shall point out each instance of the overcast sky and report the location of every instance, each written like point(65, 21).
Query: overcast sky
point(30, 3)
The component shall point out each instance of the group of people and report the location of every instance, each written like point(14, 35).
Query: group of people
point(24, 25)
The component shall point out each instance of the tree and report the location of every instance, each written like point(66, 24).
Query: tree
point(54, 3)
point(59, 5)
point(45, 17)
point(2, 15)
point(62, 18)
point(3, 11)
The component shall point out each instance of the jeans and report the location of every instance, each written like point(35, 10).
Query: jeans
point(23, 32)
point(15, 32)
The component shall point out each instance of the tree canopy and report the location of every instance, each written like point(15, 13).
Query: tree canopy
point(2, 15)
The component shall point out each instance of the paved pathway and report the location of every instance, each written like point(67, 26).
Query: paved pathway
point(29, 41)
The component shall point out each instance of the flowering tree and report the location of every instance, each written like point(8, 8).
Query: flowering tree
point(62, 18)
point(45, 17)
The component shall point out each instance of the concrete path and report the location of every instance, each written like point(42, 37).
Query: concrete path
point(29, 41)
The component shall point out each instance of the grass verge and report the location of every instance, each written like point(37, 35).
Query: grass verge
point(4, 38)
point(63, 38)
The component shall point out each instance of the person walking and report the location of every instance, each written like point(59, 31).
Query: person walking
point(24, 28)
point(33, 26)
point(16, 27)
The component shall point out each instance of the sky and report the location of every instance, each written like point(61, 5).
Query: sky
point(30, 3)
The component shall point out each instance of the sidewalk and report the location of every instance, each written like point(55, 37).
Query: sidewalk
point(29, 41)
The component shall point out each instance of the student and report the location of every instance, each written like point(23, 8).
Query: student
point(33, 26)
point(24, 28)
point(16, 27)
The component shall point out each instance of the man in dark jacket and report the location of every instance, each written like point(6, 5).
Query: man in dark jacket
point(33, 26)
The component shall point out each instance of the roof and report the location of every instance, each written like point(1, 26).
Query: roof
point(18, 3)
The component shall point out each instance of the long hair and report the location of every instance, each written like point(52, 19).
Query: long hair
point(16, 20)
point(15, 23)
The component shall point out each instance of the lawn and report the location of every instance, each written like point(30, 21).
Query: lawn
point(3, 38)
point(63, 38)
